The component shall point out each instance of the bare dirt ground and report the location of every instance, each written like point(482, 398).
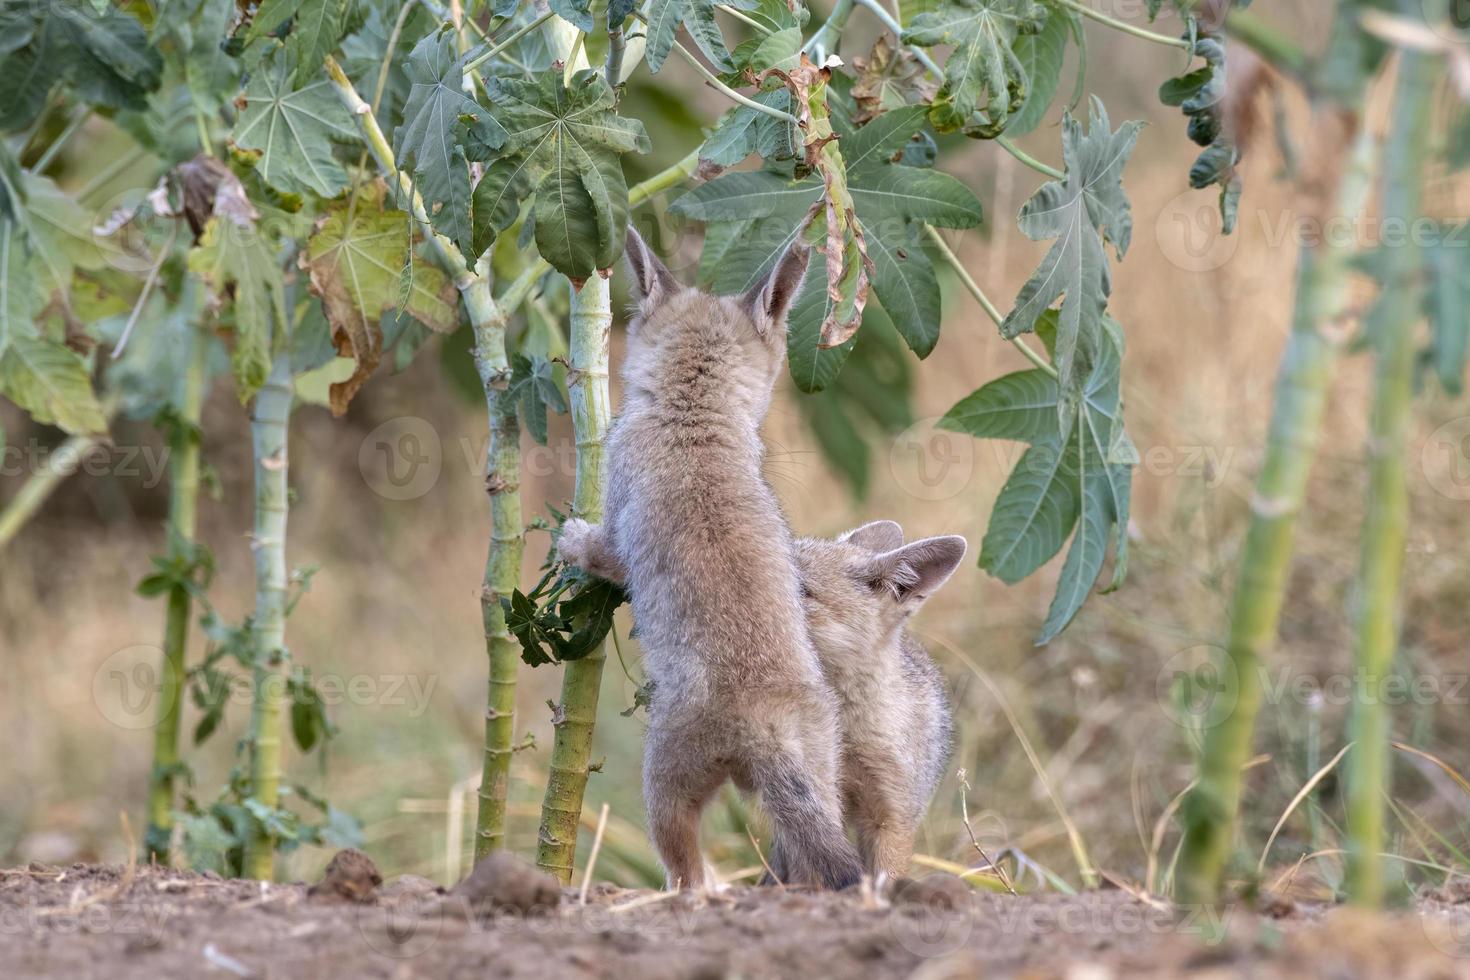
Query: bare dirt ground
point(119, 922)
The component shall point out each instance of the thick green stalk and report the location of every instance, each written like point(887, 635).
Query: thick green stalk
point(183, 508)
point(502, 560)
point(575, 717)
point(1388, 496)
point(1296, 420)
point(268, 426)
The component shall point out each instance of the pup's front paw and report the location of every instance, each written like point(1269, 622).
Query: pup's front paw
point(575, 544)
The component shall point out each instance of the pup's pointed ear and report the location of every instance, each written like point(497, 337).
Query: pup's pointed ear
point(652, 281)
point(769, 301)
point(916, 571)
point(876, 536)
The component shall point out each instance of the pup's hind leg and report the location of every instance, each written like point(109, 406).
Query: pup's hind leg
point(677, 784)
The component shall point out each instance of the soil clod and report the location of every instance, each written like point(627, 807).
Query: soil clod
point(350, 875)
point(503, 882)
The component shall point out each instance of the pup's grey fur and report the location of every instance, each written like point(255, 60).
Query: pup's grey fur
point(898, 730)
point(738, 692)
point(897, 726)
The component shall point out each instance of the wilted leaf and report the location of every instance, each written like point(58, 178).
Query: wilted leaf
point(360, 261)
point(889, 78)
point(240, 267)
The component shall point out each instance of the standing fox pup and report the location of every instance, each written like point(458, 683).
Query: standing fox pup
point(897, 726)
point(896, 723)
point(738, 692)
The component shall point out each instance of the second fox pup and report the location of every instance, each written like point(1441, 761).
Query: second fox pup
point(897, 725)
point(703, 542)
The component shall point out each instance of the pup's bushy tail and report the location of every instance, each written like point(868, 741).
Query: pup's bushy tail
point(810, 847)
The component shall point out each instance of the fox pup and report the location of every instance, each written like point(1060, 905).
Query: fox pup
point(703, 542)
point(897, 727)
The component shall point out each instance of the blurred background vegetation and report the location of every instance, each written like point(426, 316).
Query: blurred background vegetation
point(395, 601)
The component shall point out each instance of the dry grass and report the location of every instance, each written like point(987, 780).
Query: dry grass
point(397, 591)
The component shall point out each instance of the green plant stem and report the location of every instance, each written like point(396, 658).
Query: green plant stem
point(1021, 155)
point(500, 46)
point(1210, 811)
point(1126, 28)
point(502, 560)
point(745, 19)
point(269, 421)
point(576, 715)
point(1272, 46)
point(824, 41)
point(974, 289)
point(1387, 518)
point(183, 509)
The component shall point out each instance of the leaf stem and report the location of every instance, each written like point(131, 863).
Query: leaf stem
point(1126, 28)
point(990, 309)
point(745, 19)
point(1029, 160)
point(46, 158)
point(729, 92)
point(485, 56)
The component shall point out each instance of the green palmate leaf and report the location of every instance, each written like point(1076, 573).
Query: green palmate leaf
point(1076, 477)
point(292, 130)
point(889, 200)
point(103, 54)
point(1041, 56)
point(1081, 212)
point(744, 131)
point(567, 142)
point(360, 260)
point(983, 68)
point(315, 27)
point(439, 120)
point(42, 241)
point(698, 17)
point(534, 389)
point(239, 266)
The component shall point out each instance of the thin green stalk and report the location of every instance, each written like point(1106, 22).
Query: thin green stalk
point(502, 561)
point(1387, 518)
point(269, 420)
point(1030, 161)
point(183, 509)
point(27, 501)
point(1124, 26)
point(1274, 47)
point(57, 145)
point(576, 715)
point(1211, 809)
point(990, 309)
point(729, 92)
point(824, 41)
point(515, 36)
point(744, 18)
